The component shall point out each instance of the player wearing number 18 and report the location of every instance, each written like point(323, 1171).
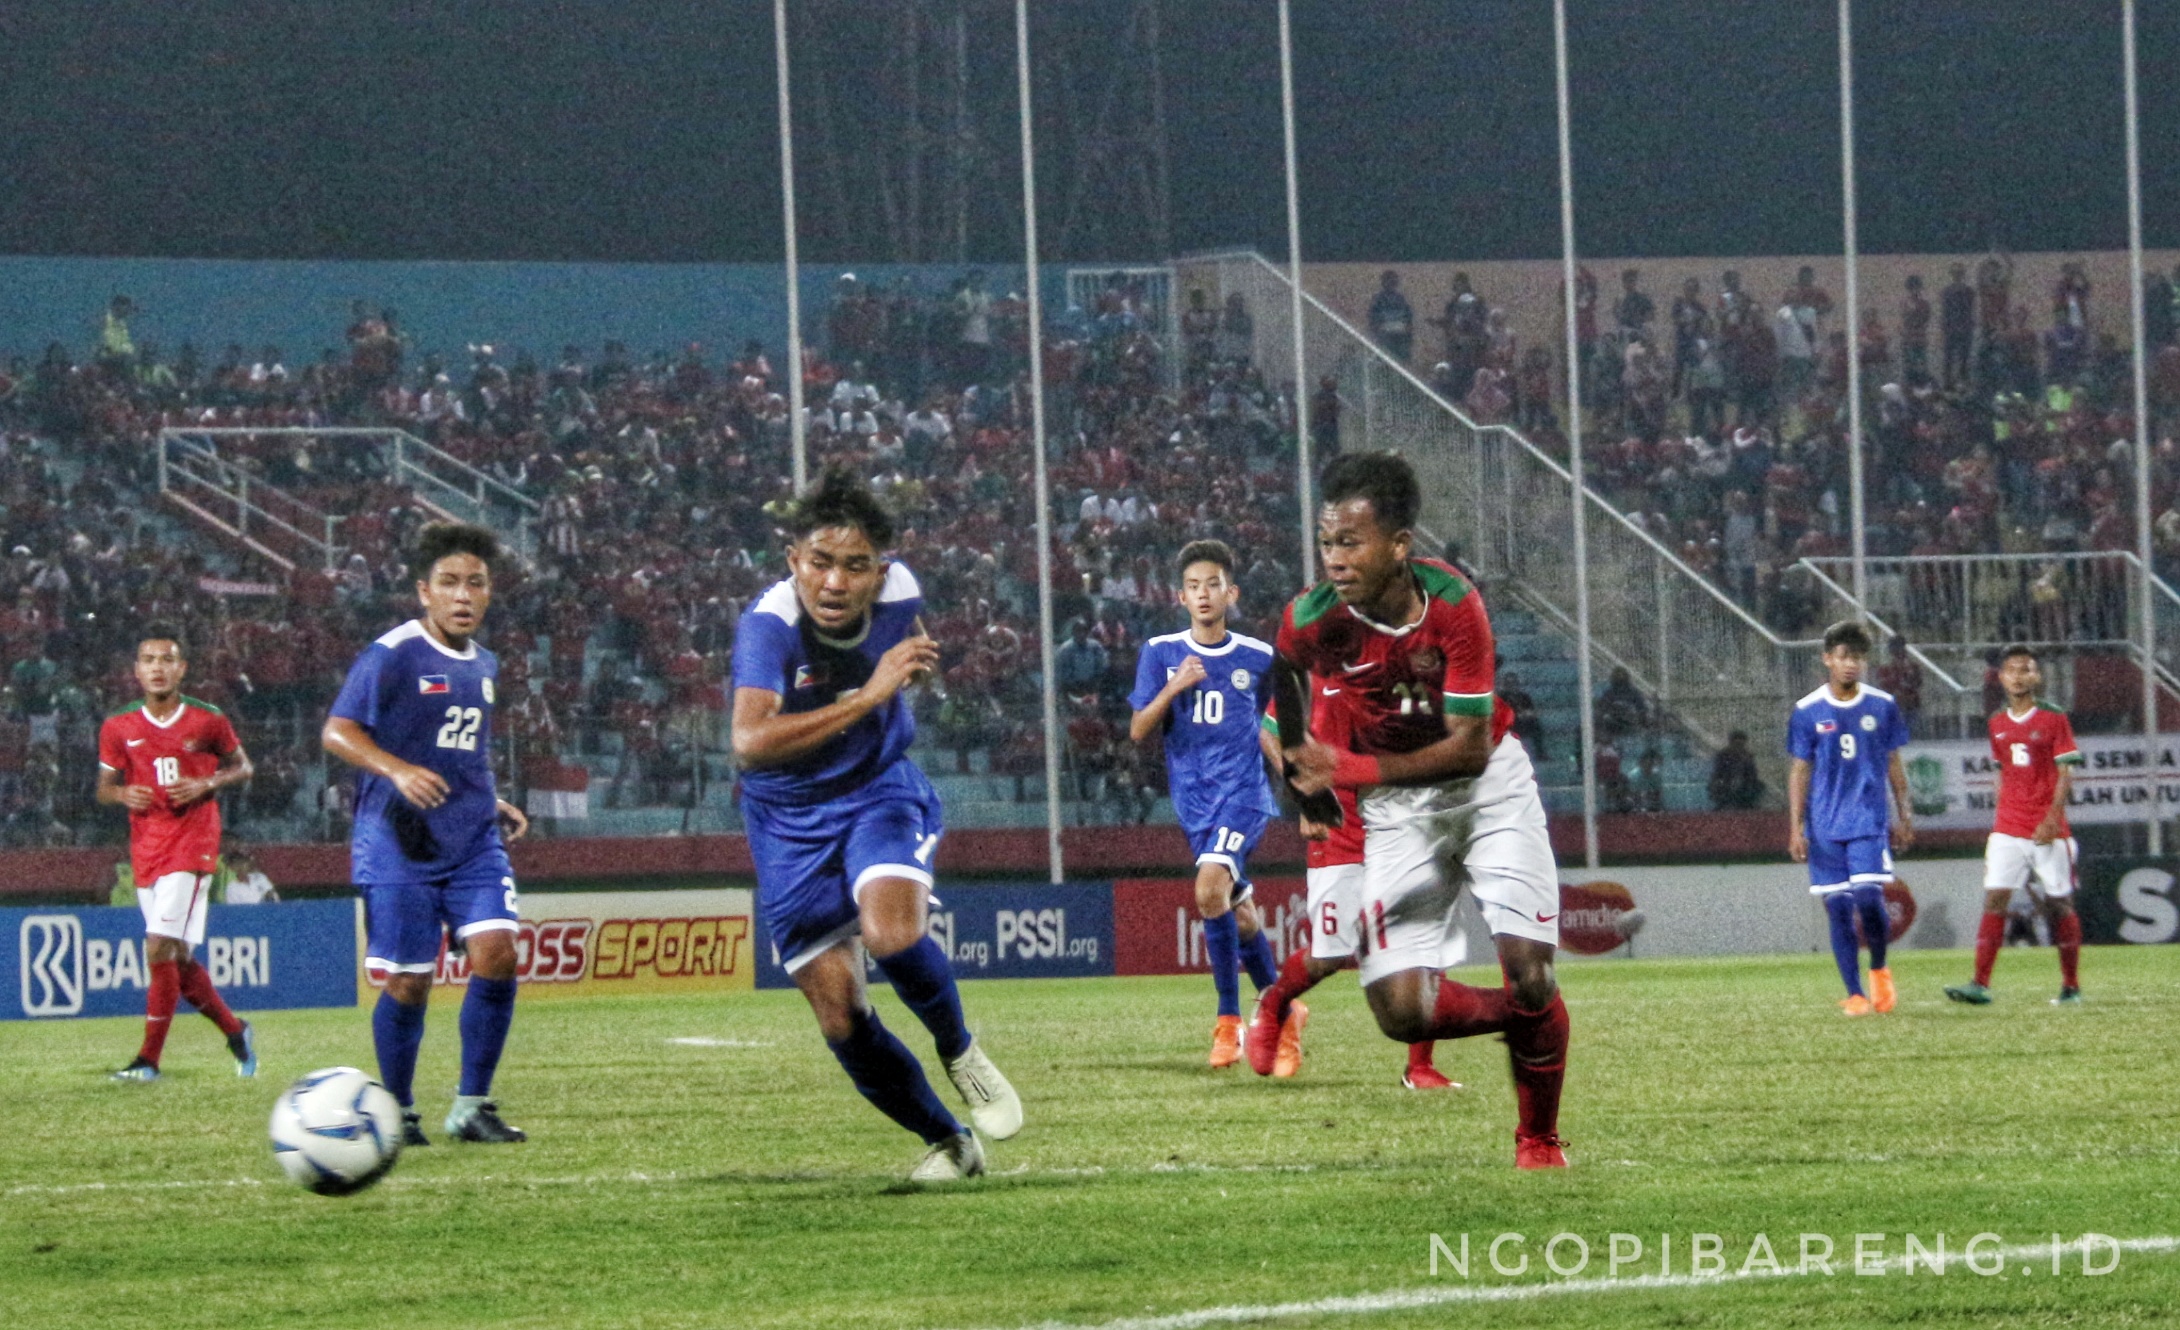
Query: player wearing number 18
point(415, 720)
point(164, 759)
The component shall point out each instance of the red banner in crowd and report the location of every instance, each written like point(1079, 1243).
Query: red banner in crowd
point(1156, 929)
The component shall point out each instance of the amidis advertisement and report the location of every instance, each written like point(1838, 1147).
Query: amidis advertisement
point(1955, 784)
point(583, 944)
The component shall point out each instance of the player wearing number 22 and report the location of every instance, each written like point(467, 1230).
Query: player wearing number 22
point(415, 720)
point(1448, 798)
point(164, 759)
point(1203, 688)
point(1845, 739)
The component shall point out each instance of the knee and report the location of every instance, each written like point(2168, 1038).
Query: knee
point(1214, 893)
point(837, 1021)
point(889, 937)
point(1533, 985)
point(410, 990)
point(1404, 1025)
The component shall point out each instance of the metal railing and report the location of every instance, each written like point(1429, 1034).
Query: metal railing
point(1706, 660)
point(460, 491)
point(196, 479)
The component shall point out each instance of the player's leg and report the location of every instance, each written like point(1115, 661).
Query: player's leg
point(887, 856)
point(1869, 865)
point(2001, 860)
point(403, 932)
point(483, 912)
point(2055, 872)
point(169, 903)
point(1829, 881)
point(1334, 904)
point(1257, 956)
point(196, 988)
point(878, 1064)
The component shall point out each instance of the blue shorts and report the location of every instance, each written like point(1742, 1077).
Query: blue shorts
point(1835, 865)
point(813, 859)
point(404, 921)
point(1226, 838)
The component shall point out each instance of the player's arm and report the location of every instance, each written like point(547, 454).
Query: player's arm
point(234, 769)
point(1461, 755)
point(1797, 804)
point(1903, 825)
point(135, 798)
point(353, 744)
point(1152, 715)
point(766, 736)
point(2062, 793)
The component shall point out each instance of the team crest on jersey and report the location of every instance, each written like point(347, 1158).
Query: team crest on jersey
point(802, 676)
point(1869, 722)
point(1241, 680)
point(1826, 726)
point(488, 690)
point(430, 685)
point(1429, 660)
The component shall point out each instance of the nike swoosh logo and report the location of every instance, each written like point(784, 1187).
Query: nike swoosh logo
point(1358, 669)
point(1546, 918)
point(1332, 692)
point(134, 742)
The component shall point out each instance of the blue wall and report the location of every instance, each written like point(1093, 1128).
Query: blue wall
point(302, 307)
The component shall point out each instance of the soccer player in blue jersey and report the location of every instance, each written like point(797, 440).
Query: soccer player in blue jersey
point(415, 720)
point(1205, 689)
point(1845, 739)
point(842, 824)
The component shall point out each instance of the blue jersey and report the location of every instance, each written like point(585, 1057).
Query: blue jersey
point(1849, 746)
point(1214, 760)
point(777, 648)
point(430, 706)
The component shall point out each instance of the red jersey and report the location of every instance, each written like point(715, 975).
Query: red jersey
point(1400, 682)
point(2029, 750)
point(1332, 725)
point(146, 752)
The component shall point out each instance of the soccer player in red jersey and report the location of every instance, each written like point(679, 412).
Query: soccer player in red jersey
point(1447, 796)
point(2031, 844)
point(164, 759)
point(1335, 857)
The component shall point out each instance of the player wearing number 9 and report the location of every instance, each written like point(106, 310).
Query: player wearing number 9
point(415, 720)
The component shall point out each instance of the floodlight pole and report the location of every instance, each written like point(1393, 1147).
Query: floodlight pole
point(2145, 546)
point(1586, 702)
point(1305, 462)
point(1856, 522)
point(1045, 655)
point(797, 429)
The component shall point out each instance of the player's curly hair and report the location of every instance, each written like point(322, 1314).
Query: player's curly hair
point(1850, 634)
point(840, 498)
point(1206, 551)
point(159, 630)
point(1385, 479)
point(440, 539)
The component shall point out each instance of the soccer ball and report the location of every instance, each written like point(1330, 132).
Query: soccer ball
point(336, 1131)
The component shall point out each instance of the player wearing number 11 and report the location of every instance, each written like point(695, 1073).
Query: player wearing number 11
point(415, 720)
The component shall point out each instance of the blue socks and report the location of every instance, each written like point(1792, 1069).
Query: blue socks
point(1222, 945)
point(1839, 907)
point(397, 1031)
point(1876, 921)
point(888, 1075)
point(487, 1010)
point(1257, 958)
point(925, 983)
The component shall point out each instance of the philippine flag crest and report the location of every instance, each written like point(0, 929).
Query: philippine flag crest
point(432, 683)
point(1826, 726)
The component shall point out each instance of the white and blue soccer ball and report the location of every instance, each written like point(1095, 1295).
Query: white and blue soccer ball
point(336, 1131)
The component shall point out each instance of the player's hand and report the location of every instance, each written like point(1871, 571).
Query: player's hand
point(1310, 767)
point(2047, 831)
point(188, 790)
point(1903, 835)
point(1187, 676)
point(1312, 830)
point(1797, 846)
point(513, 824)
point(902, 664)
point(422, 787)
point(139, 798)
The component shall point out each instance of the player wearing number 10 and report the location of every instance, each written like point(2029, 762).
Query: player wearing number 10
point(415, 720)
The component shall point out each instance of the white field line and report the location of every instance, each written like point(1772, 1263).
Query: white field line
point(1365, 1304)
point(712, 1041)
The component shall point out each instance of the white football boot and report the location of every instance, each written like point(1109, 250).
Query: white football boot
point(993, 1105)
point(951, 1160)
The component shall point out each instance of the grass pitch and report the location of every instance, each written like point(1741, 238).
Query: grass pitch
point(739, 1181)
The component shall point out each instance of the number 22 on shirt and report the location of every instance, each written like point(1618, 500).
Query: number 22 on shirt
point(460, 731)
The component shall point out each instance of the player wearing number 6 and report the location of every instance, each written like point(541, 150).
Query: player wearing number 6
point(1203, 689)
point(415, 720)
point(164, 759)
point(1845, 739)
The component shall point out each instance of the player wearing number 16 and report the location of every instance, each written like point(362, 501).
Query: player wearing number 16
point(415, 720)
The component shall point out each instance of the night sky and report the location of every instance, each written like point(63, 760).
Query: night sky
point(581, 129)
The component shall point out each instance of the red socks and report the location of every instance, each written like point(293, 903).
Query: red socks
point(1419, 1054)
point(196, 986)
point(1990, 936)
point(2067, 932)
point(159, 1000)
point(1536, 1045)
point(1294, 980)
point(1463, 1011)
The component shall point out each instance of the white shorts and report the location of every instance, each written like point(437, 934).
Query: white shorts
point(174, 905)
point(1335, 904)
point(1423, 844)
point(2016, 861)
